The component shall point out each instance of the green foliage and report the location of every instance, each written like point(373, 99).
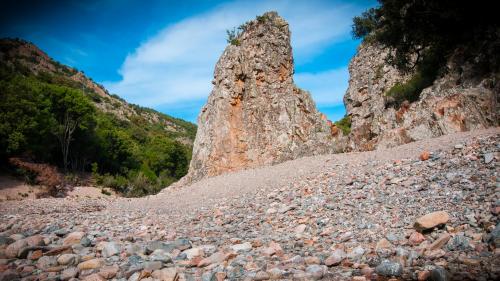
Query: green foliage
point(414, 29)
point(344, 124)
point(25, 115)
point(366, 23)
point(232, 36)
point(261, 19)
point(410, 91)
point(135, 157)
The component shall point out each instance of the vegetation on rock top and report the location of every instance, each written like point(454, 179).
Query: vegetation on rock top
point(422, 35)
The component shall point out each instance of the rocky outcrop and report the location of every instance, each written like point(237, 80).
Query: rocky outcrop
point(255, 115)
point(457, 101)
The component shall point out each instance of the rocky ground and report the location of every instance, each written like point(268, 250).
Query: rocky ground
point(421, 211)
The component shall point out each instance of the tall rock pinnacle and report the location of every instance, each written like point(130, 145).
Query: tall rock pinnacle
point(255, 115)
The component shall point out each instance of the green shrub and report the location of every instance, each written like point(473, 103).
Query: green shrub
point(261, 19)
point(140, 185)
point(118, 183)
point(105, 192)
point(232, 37)
point(344, 124)
point(424, 77)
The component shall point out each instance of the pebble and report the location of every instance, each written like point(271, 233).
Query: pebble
point(488, 157)
point(440, 242)
point(439, 274)
point(160, 255)
point(431, 220)
point(69, 273)
point(90, 264)
point(389, 268)
point(67, 259)
point(335, 258)
point(244, 247)
point(110, 249)
point(73, 238)
point(416, 238)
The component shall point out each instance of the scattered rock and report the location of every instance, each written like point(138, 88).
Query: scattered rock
point(93, 277)
point(109, 271)
point(431, 220)
point(439, 274)
point(459, 243)
point(67, 259)
point(335, 258)
point(13, 249)
point(160, 255)
point(69, 273)
point(316, 271)
point(110, 249)
point(166, 274)
point(389, 268)
point(261, 275)
point(440, 242)
point(416, 238)
point(46, 262)
point(425, 156)
point(215, 258)
point(488, 157)
point(73, 238)
point(244, 247)
point(90, 264)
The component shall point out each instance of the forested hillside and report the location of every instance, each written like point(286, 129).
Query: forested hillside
point(55, 115)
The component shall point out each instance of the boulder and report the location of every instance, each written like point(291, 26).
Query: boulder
point(431, 220)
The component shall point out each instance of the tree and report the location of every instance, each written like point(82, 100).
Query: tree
point(25, 119)
point(416, 29)
point(72, 111)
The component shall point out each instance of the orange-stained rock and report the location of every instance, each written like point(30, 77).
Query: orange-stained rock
point(425, 155)
point(255, 114)
point(416, 238)
point(431, 220)
point(457, 101)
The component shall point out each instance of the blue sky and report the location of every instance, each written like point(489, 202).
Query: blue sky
point(161, 54)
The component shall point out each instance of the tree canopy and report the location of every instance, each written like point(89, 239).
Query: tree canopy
point(425, 28)
point(57, 123)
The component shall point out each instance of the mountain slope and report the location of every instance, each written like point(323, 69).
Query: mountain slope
point(54, 114)
point(26, 58)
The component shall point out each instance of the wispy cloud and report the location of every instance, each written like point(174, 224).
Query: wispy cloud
point(176, 65)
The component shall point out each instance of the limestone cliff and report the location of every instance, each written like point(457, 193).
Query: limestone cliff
point(458, 101)
point(255, 115)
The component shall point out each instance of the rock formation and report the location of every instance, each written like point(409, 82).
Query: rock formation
point(457, 101)
point(255, 115)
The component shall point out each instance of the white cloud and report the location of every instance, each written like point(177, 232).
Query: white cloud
point(176, 65)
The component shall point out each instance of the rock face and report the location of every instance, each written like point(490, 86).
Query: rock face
point(255, 115)
point(456, 102)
